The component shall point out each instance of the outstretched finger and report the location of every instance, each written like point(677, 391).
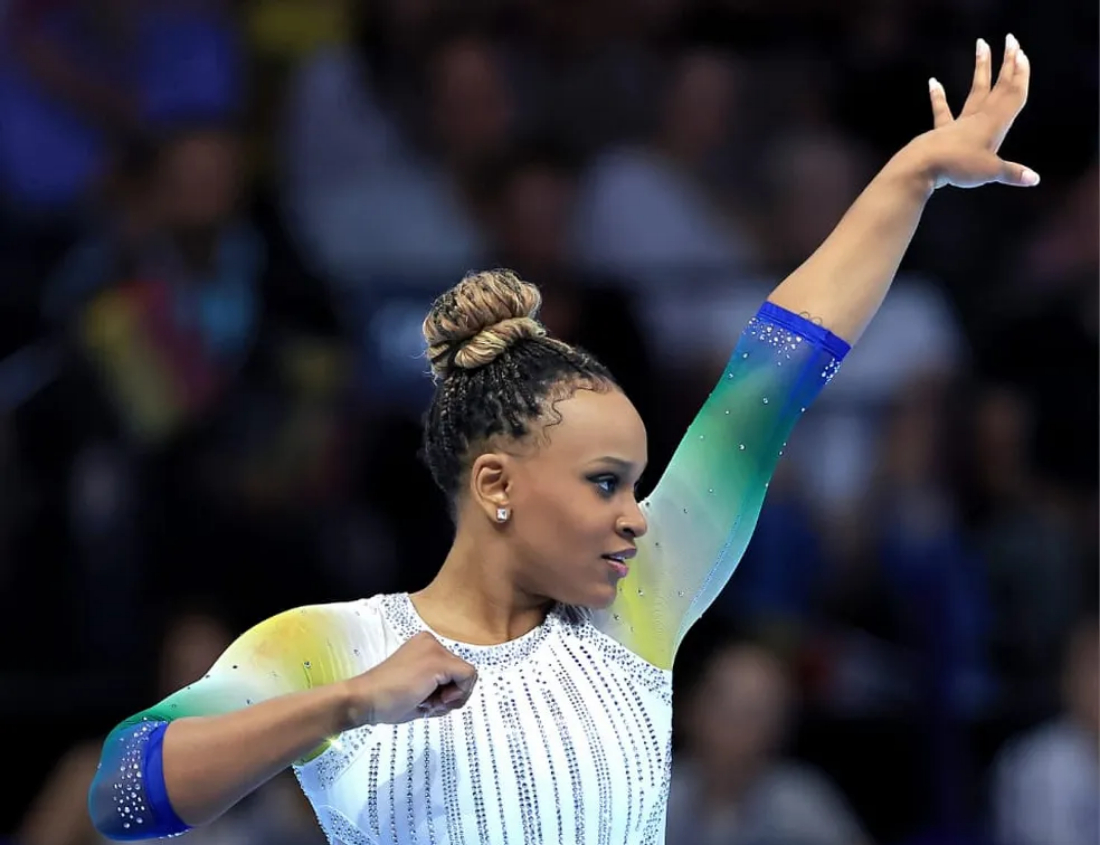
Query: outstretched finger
point(1017, 175)
point(1021, 79)
point(1011, 99)
point(983, 73)
point(941, 112)
point(1008, 66)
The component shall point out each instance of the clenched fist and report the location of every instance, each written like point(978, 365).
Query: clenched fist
point(420, 679)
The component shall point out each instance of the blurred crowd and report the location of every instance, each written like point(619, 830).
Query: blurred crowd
point(222, 222)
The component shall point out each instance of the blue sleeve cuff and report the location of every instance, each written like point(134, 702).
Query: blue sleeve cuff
point(818, 335)
point(165, 820)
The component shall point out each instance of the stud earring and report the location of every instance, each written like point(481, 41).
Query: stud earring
point(502, 514)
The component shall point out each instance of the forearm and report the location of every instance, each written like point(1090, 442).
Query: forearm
point(212, 762)
point(844, 282)
point(184, 772)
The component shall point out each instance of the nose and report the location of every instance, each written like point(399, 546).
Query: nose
point(633, 523)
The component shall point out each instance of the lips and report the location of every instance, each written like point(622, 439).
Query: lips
point(622, 555)
point(617, 561)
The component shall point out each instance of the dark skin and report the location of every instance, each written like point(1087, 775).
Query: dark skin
point(569, 489)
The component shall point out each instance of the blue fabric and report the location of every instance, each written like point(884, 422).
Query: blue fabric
point(836, 346)
point(128, 800)
point(165, 820)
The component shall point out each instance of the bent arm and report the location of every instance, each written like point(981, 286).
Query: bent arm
point(273, 698)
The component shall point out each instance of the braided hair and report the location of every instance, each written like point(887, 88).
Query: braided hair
point(496, 370)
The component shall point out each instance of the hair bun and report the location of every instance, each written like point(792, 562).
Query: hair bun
point(478, 319)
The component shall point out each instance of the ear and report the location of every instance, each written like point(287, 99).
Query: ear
point(490, 482)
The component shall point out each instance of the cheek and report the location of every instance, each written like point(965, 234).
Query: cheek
point(565, 526)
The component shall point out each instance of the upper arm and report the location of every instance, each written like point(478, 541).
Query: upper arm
point(290, 652)
point(703, 510)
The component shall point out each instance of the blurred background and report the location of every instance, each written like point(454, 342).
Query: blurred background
point(221, 224)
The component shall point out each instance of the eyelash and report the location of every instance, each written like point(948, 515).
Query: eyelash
point(614, 480)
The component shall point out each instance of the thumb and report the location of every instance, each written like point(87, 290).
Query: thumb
point(1017, 175)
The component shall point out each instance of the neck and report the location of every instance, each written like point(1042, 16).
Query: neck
point(474, 599)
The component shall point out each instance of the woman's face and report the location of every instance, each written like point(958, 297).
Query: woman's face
point(570, 492)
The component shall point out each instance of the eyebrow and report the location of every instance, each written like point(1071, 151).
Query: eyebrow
point(621, 464)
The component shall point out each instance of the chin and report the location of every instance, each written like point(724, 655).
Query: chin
point(601, 599)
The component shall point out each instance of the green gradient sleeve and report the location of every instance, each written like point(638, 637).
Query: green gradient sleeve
point(290, 652)
point(704, 508)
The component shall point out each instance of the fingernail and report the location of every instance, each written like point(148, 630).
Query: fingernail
point(1010, 42)
point(982, 48)
point(933, 83)
point(1030, 177)
point(1021, 59)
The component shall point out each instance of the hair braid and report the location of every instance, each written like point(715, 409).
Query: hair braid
point(496, 370)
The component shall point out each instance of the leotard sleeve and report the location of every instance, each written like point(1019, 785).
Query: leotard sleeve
point(290, 652)
point(703, 510)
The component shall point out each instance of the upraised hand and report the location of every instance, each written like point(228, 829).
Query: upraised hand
point(963, 150)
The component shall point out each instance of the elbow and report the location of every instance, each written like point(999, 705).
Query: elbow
point(127, 801)
point(111, 816)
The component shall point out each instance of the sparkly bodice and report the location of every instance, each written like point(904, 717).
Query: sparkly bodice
point(566, 738)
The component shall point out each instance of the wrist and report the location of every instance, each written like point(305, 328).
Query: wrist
point(344, 708)
point(913, 168)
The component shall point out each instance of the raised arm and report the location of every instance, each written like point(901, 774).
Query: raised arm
point(703, 510)
point(844, 282)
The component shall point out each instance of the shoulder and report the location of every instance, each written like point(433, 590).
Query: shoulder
point(310, 616)
point(317, 629)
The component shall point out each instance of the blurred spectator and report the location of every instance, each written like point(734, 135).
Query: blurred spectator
point(662, 214)
point(730, 784)
point(1033, 558)
point(76, 75)
point(783, 580)
point(1047, 783)
point(366, 196)
point(937, 587)
point(585, 70)
point(276, 814)
point(1054, 319)
point(531, 204)
point(157, 307)
point(163, 301)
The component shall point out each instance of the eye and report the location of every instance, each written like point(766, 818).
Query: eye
point(607, 484)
